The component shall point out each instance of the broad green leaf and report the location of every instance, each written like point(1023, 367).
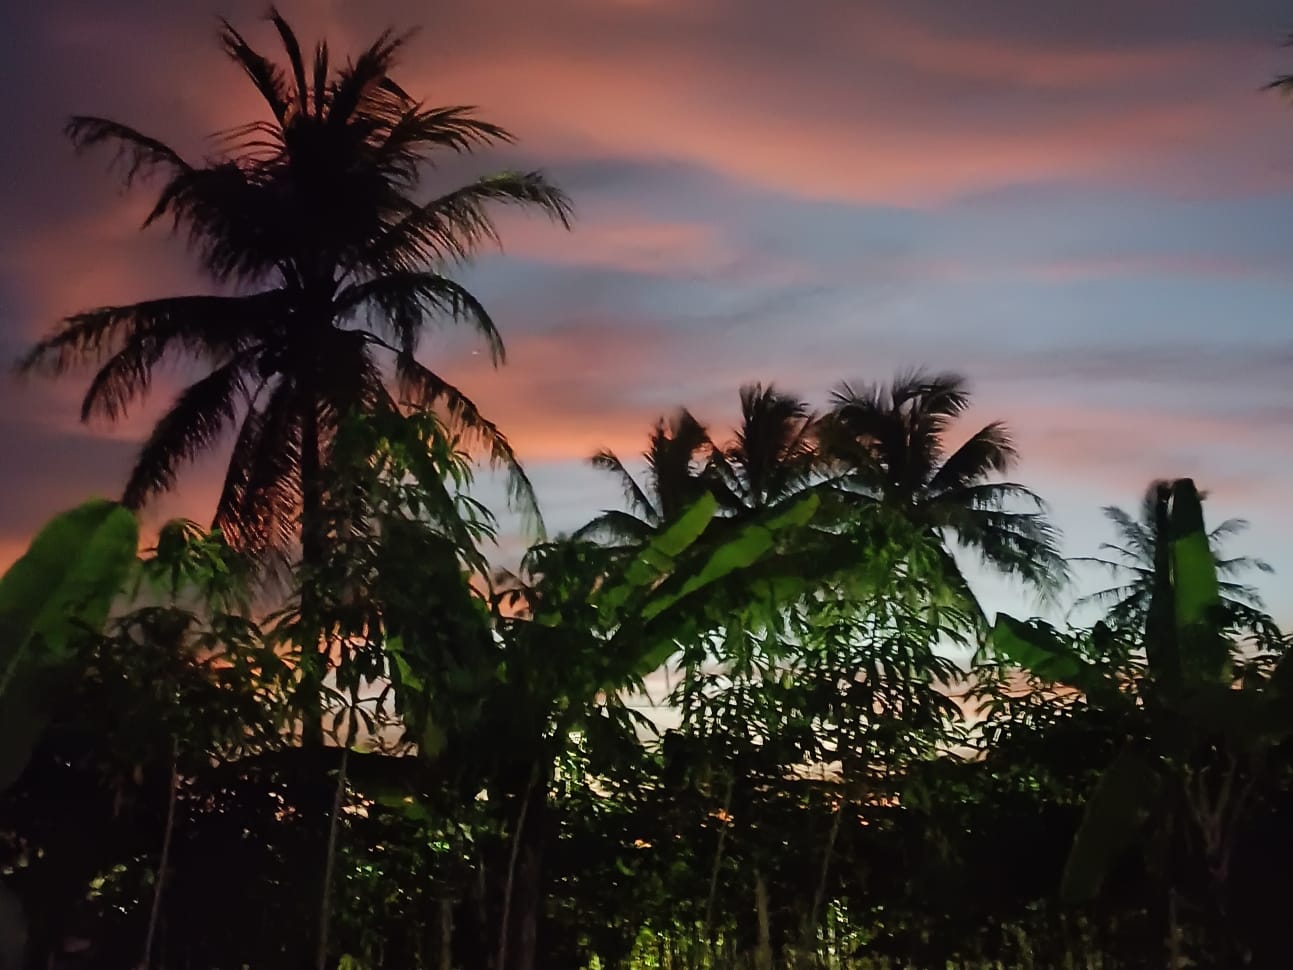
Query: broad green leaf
point(67, 579)
point(747, 548)
point(1115, 813)
point(1193, 567)
point(1196, 594)
point(749, 545)
point(64, 583)
point(1038, 648)
point(680, 536)
point(657, 558)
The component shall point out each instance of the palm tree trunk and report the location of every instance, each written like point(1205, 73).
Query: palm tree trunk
point(312, 554)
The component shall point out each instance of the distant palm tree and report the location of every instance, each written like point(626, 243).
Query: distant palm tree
point(888, 445)
point(676, 454)
point(773, 454)
point(1134, 554)
point(313, 216)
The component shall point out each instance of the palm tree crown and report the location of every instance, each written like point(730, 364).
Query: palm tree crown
point(772, 455)
point(888, 444)
point(313, 218)
point(1134, 555)
point(676, 454)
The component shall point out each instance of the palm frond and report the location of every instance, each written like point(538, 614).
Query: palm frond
point(607, 461)
point(208, 325)
point(1020, 544)
point(321, 68)
point(1243, 564)
point(675, 455)
point(265, 75)
point(1228, 529)
point(457, 224)
point(616, 526)
point(228, 219)
point(990, 450)
point(140, 154)
point(134, 339)
point(359, 84)
point(454, 128)
point(1130, 562)
point(1139, 536)
point(202, 412)
point(259, 504)
point(988, 496)
point(1127, 591)
point(772, 453)
point(292, 47)
point(404, 301)
point(423, 388)
point(1241, 593)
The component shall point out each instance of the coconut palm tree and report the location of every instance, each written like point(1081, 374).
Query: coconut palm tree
point(676, 454)
point(772, 455)
point(888, 445)
point(331, 259)
point(1134, 555)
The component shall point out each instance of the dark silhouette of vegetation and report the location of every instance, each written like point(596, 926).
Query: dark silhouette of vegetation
point(675, 458)
point(314, 216)
point(892, 444)
point(823, 784)
point(1132, 558)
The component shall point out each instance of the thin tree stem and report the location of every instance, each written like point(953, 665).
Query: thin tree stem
point(155, 911)
point(718, 860)
point(446, 934)
point(505, 928)
point(763, 954)
point(820, 894)
point(330, 860)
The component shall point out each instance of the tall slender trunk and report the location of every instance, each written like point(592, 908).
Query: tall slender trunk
point(718, 863)
point(313, 665)
point(1175, 948)
point(330, 858)
point(763, 953)
point(506, 922)
point(168, 831)
point(446, 934)
point(819, 895)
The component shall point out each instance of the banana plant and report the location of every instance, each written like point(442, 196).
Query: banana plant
point(1194, 763)
point(59, 590)
point(61, 587)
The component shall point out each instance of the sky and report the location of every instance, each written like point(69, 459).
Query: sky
point(1084, 208)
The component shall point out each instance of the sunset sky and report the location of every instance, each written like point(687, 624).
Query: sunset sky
point(1086, 208)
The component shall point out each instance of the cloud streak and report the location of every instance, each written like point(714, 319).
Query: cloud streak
point(1083, 208)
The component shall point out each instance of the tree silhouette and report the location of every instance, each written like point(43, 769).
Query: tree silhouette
point(676, 454)
point(772, 455)
point(312, 219)
point(888, 444)
point(1134, 555)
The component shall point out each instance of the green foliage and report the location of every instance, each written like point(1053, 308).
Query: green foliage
point(833, 790)
point(61, 587)
point(1037, 647)
point(1118, 808)
point(318, 213)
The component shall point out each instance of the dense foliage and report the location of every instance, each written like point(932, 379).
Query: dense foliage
point(395, 755)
